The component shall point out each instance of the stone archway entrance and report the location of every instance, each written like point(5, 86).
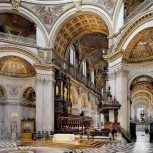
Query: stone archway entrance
point(141, 108)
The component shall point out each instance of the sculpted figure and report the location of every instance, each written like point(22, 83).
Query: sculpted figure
point(15, 4)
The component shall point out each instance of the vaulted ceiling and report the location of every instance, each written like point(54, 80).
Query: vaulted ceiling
point(75, 28)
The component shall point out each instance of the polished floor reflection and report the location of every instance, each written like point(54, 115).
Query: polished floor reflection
point(135, 147)
point(142, 136)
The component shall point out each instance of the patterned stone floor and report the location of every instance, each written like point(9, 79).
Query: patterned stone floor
point(138, 147)
point(141, 146)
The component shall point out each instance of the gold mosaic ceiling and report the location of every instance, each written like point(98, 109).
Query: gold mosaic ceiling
point(16, 67)
point(76, 28)
point(140, 48)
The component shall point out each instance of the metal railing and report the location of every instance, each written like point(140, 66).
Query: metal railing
point(18, 39)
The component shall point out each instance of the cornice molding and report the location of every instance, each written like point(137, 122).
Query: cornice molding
point(120, 72)
point(113, 56)
point(129, 30)
point(22, 51)
point(47, 67)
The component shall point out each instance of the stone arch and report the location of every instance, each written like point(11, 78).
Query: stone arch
point(5, 7)
point(84, 101)
point(23, 53)
point(3, 91)
point(28, 102)
point(74, 96)
point(142, 21)
point(25, 87)
point(136, 76)
point(85, 9)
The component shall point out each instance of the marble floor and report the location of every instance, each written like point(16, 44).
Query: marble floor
point(141, 146)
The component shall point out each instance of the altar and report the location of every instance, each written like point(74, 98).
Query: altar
point(63, 137)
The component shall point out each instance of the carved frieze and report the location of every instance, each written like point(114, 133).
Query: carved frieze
point(44, 81)
point(120, 72)
point(13, 89)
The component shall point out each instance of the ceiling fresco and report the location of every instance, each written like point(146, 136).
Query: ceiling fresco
point(48, 11)
point(140, 49)
point(16, 67)
point(94, 40)
point(48, 14)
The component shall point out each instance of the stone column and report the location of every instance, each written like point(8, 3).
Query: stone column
point(45, 100)
point(112, 82)
point(121, 96)
point(48, 112)
point(39, 103)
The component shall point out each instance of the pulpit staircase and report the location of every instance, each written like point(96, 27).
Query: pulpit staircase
point(122, 131)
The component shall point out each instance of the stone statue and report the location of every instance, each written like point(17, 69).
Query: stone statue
point(77, 4)
point(15, 4)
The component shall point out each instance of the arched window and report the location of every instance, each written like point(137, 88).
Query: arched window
point(72, 55)
point(84, 68)
point(92, 76)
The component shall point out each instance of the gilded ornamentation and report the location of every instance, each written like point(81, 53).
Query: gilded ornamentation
point(15, 4)
point(15, 66)
point(141, 47)
point(77, 26)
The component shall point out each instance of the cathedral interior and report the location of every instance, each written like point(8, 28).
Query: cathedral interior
point(81, 67)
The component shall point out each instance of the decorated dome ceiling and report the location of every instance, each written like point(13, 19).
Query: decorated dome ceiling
point(140, 48)
point(16, 67)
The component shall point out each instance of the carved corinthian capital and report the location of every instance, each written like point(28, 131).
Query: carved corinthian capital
point(121, 72)
point(112, 75)
point(39, 80)
point(44, 81)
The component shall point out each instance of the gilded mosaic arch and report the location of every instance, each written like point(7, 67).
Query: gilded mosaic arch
point(140, 48)
point(15, 66)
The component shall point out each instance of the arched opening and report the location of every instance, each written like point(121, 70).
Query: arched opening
point(17, 101)
point(141, 106)
point(29, 105)
point(84, 104)
point(74, 101)
point(2, 111)
point(15, 27)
